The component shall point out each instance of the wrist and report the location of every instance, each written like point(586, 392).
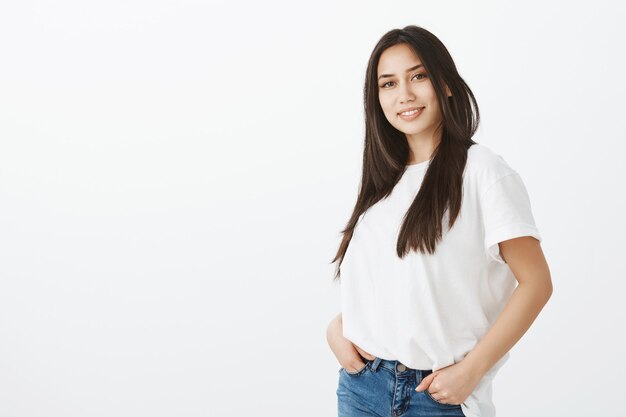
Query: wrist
point(474, 365)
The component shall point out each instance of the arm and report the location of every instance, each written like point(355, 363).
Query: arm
point(525, 258)
point(346, 352)
point(527, 262)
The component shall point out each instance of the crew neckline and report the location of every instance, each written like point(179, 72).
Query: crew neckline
point(423, 164)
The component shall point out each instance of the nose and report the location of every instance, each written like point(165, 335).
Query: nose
point(406, 94)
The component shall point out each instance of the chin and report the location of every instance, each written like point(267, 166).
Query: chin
point(411, 131)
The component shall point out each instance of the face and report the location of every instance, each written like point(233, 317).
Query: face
point(403, 84)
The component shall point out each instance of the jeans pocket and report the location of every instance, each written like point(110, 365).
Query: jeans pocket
point(437, 402)
point(360, 371)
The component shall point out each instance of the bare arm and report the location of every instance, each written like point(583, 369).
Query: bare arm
point(527, 262)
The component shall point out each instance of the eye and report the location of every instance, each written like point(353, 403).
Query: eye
point(423, 75)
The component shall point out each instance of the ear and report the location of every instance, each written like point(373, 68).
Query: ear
point(448, 92)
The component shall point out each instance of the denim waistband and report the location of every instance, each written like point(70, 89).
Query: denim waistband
point(398, 367)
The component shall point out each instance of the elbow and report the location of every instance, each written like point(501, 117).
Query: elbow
point(543, 284)
point(540, 289)
point(551, 290)
point(547, 290)
point(549, 286)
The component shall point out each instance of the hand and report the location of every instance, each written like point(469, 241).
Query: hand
point(450, 385)
point(346, 352)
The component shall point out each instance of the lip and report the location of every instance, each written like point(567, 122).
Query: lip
point(413, 116)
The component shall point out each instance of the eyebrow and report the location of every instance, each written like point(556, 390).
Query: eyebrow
point(391, 75)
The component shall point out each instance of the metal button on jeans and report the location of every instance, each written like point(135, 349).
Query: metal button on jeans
point(401, 367)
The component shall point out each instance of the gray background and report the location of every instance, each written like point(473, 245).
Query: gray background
point(174, 176)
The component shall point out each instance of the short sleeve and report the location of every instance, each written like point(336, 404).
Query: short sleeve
point(506, 213)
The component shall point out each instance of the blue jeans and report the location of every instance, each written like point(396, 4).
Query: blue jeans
point(385, 388)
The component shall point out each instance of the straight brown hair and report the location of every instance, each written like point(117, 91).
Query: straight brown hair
point(386, 150)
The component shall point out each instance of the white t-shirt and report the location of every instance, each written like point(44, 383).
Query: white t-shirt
point(429, 311)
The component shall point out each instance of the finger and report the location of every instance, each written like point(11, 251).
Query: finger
point(425, 383)
point(367, 355)
point(438, 398)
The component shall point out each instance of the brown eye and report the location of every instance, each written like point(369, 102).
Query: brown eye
point(421, 77)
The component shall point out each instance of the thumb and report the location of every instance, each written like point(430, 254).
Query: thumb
point(425, 382)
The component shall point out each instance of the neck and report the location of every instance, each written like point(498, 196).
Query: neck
point(421, 147)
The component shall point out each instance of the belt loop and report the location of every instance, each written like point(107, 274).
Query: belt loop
point(375, 364)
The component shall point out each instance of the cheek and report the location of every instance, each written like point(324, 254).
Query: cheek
point(435, 108)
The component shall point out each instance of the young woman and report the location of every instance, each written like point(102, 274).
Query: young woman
point(442, 268)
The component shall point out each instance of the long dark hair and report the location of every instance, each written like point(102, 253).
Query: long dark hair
point(386, 149)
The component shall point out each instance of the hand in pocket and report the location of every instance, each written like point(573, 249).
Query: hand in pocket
point(347, 353)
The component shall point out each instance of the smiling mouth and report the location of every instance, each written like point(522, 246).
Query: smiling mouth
point(411, 114)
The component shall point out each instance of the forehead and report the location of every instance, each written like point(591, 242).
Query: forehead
point(397, 59)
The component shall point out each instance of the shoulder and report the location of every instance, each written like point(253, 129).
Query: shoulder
point(485, 166)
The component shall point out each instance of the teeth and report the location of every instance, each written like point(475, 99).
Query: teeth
point(409, 113)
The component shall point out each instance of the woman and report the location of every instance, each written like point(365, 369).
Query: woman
point(443, 271)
